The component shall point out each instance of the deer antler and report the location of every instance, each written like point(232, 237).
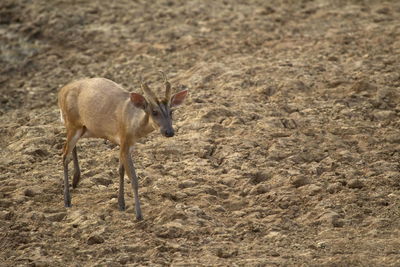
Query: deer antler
point(167, 87)
point(150, 96)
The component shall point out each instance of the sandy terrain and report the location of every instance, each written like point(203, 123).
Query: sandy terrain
point(286, 153)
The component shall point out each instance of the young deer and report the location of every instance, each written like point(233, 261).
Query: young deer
point(100, 108)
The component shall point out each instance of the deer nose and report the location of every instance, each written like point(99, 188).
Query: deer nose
point(169, 133)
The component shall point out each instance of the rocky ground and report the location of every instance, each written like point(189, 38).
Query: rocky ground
point(287, 151)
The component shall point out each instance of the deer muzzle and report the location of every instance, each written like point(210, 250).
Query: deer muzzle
point(168, 132)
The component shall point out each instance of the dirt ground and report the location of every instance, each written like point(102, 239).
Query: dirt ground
point(286, 153)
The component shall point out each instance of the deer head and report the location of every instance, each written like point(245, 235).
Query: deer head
point(159, 110)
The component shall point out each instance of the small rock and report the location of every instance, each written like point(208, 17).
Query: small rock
point(195, 210)
point(180, 195)
point(355, 184)
point(95, 239)
point(313, 189)
point(338, 223)
point(332, 218)
point(298, 86)
point(259, 177)
point(170, 230)
point(288, 123)
point(56, 217)
point(362, 85)
point(334, 188)
point(19, 199)
point(384, 114)
point(259, 189)
point(274, 235)
point(383, 95)
point(335, 83)
point(393, 138)
point(333, 58)
point(35, 216)
point(209, 190)
point(346, 155)
point(29, 192)
point(219, 208)
point(275, 254)
point(43, 263)
point(37, 152)
point(123, 259)
point(300, 181)
point(268, 91)
point(228, 181)
point(187, 184)
point(6, 215)
point(134, 248)
point(102, 181)
point(383, 11)
point(226, 253)
point(238, 213)
point(276, 153)
point(5, 203)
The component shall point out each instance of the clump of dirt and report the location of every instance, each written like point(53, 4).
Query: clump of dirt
point(286, 152)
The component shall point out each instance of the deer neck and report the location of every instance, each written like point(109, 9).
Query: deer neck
point(146, 126)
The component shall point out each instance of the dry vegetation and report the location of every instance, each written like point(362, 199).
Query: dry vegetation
point(287, 151)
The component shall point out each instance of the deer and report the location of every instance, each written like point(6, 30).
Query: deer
point(101, 108)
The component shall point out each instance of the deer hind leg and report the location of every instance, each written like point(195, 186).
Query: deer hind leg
point(77, 171)
point(73, 136)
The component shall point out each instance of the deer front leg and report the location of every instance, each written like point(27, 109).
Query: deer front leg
point(135, 189)
point(67, 195)
point(121, 199)
point(130, 171)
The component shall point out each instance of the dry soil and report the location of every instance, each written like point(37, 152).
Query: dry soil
point(286, 153)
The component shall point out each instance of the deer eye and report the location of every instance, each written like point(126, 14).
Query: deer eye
point(154, 112)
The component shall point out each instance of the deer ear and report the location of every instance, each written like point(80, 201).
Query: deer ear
point(178, 98)
point(138, 100)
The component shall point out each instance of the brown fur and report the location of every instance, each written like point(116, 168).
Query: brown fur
point(104, 109)
point(101, 108)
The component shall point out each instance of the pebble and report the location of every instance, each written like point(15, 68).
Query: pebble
point(226, 253)
point(170, 230)
point(29, 192)
point(6, 215)
point(219, 208)
point(95, 239)
point(102, 181)
point(334, 188)
point(300, 181)
point(355, 184)
point(332, 218)
point(259, 189)
point(313, 189)
point(187, 184)
point(384, 114)
point(56, 217)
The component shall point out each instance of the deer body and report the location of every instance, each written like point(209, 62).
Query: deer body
point(104, 109)
point(100, 108)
